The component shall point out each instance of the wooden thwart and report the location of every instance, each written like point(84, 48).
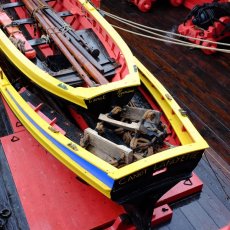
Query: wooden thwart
point(134, 114)
point(107, 150)
point(132, 126)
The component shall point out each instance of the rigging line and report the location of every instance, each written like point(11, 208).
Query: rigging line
point(222, 166)
point(173, 42)
point(159, 35)
point(150, 32)
point(161, 31)
point(222, 186)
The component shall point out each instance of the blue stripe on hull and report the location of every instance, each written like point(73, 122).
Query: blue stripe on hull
point(98, 173)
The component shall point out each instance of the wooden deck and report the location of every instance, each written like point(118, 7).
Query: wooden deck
point(200, 84)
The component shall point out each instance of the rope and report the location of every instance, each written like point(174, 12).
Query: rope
point(39, 8)
point(115, 110)
point(168, 39)
point(52, 29)
point(176, 43)
point(139, 143)
point(46, 38)
point(85, 140)
point(150, 32)
point(18, 43)
point(143, 143)
point(139, 26)
point(100, 128)
point(65, 28)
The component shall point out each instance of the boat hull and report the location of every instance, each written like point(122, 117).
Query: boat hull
point(152, 174)
point(117, 90)
point(102, 102)
point(155, 180)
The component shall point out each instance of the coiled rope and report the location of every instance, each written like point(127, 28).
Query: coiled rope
point(164, 38)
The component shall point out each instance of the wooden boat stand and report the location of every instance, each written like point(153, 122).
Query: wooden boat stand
point(50, 193)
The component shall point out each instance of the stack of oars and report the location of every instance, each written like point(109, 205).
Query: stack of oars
point(68, 42)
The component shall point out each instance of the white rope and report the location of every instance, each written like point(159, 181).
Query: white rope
point(173, 42)
point(159, 35)
point(140, 27)
point(159, 30)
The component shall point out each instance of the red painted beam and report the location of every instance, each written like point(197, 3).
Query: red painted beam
point(226, 227)
point(181, 190)
point(161, 214)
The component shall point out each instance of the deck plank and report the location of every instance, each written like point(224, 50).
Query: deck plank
point(179, 221)
point(198, 217)
point(212, 182)
point(9, 197)
point(214, 207)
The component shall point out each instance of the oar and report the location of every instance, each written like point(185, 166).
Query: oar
point(50, 28)
point(73, 37)
point(63, 49)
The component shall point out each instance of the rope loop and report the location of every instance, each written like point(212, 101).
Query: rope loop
point(65, 28)
point(85, 141)
point(18, 43)
point(166, 36)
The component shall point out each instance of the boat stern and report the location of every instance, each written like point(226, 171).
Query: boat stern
point(154, 179)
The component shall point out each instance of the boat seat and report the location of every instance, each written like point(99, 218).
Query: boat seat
point(68, 76)
point(107, 150)
point(137, 116)
point(37, 42)
point(11, 5)
point(22, 21)
point(64, 14)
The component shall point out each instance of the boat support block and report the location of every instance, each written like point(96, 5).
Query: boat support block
point(141, 210)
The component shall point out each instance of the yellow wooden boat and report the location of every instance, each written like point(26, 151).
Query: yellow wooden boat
point(134, 172)
point(67, 48)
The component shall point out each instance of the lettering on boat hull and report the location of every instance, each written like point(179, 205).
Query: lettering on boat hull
point(133, 177)
point(115, 98)
point(154, 179)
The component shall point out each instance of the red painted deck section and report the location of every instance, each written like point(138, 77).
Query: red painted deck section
point(161, 215)
point(53, 197)
point(182, 190)
point(226, 227)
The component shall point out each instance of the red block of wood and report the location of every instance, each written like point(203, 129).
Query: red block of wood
point(191, 3)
